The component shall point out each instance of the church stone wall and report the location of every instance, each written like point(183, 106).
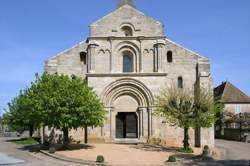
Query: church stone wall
point(111, 24)
point(68, 62)
point(152, 72)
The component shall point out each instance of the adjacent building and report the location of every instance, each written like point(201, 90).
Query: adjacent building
point(234, 99)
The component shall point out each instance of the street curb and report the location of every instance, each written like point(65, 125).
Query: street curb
point(71, 160)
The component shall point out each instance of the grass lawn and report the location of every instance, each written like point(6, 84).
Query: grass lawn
point(25, 141)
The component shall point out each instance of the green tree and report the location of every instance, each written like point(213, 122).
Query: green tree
point(56, 101)
point(67, 103)
point(21, 114)
point(185, 109)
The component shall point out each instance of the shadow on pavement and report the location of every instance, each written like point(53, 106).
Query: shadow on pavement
point(155, 148)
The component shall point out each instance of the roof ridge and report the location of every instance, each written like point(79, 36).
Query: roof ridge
point(230, 84)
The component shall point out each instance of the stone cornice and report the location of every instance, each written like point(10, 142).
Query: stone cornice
point(127, 38)
point(126, 75)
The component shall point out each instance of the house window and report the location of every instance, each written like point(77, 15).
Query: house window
point(180, 82)
point(237, 108)
point(127, 62)
point(127, 31)
point(169, 56)
point(83, 57)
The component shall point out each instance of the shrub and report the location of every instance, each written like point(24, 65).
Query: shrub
point(100, 159)
point(206, 147)
point(52, 150)
point(187, 150)
point(205, 151)
point(171, 159)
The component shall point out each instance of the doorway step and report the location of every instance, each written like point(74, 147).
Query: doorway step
point(128, 141)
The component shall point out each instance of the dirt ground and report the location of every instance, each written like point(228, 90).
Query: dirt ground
point(116, 154)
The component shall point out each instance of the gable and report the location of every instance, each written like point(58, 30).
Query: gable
point(111, 24)
point(228, 93)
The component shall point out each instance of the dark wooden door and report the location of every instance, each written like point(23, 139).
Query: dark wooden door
point(131, 125)
point(126, 125)
point(120, 123)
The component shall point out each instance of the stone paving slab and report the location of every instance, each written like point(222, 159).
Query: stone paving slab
point(6, 159)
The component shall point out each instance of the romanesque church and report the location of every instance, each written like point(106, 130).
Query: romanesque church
point(127, 59)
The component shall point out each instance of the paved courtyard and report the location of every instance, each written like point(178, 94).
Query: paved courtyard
point(116, 154)
point(236, 153)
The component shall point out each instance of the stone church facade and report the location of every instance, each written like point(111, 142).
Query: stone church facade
point(127, 60)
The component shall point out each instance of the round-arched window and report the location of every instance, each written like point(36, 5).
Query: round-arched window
point(127, 31)
point(128, 62)
point(180, 82)
point(169, 56)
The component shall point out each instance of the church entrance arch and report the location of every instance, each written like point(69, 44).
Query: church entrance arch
point(129, 102)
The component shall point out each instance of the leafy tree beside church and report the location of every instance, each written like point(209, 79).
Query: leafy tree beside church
point(186, 109)
point(56, 101)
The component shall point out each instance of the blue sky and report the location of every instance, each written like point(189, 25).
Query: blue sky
point(31, 31)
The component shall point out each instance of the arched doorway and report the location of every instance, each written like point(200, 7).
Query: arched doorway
point(129, 102)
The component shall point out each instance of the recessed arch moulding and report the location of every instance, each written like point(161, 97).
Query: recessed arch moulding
point(129, 87)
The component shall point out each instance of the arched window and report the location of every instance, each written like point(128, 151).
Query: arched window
point(169, 56)
point(128, 62)
point(127, 31)
point(180, 82)
point(83, 57)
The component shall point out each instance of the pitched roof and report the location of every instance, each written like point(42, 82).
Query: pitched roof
point(228, 93)
point(125, 2)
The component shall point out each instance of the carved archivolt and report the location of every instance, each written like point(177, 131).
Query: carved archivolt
point(130, 87)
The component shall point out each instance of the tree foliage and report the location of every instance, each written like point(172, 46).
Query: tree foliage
point(185, 108)
point(22, 114)
point(68, 103)
point(56, 101)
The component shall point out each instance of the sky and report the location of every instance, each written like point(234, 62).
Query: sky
point(32, 31)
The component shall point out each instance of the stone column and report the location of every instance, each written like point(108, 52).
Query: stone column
point(141, 123)
point(145, 122)
point(159, 51)
point(107, 127)
point(111, 55)
point(113, 123)
point(149, 110)
point(91, 57)
point(155, 58)
point(140, 56)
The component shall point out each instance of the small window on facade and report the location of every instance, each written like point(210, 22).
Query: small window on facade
point(83, 57)
point(169, 56)
point(180, 82)
point(237, 109)
point(128, 62)
point(127, 31)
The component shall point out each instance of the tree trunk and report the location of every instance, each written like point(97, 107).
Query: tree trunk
point(65, 137)
point(43, 135)
point(186, 138)
point(85, 134)
point(31, 130)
